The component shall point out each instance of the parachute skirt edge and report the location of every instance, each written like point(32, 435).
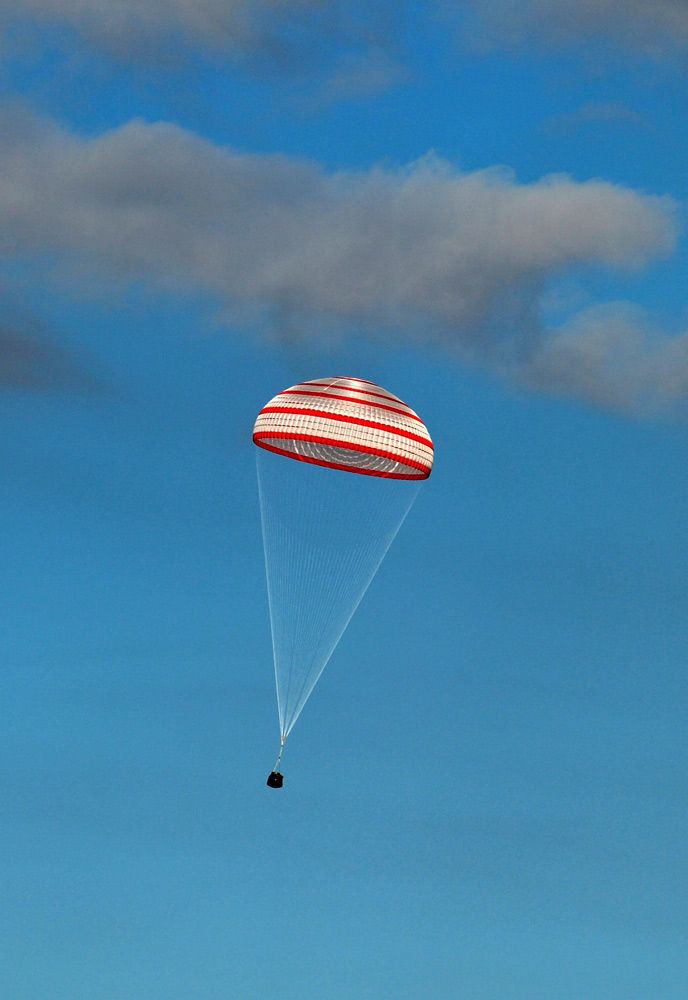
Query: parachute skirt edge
point(420, 471)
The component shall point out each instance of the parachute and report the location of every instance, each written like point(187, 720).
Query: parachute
point(339, 464)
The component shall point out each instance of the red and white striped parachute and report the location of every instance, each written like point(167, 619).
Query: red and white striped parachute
point(324, 534)
point(348, 424)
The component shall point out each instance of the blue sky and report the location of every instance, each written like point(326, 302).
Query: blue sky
point(481, 207)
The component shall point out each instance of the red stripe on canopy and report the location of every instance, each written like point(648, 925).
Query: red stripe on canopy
point(344, 418)
point(408, 412)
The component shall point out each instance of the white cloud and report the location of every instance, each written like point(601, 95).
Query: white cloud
point(427, 252)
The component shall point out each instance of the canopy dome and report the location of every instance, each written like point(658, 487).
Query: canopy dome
point(347, 424)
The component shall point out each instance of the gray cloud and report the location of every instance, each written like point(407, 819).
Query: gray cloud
point(354, 42)
point(349, 46)
point(611, 356)
point(360, 74)
point(424, 252)
point(124, 26)
point(30, 360)
point(655, 28)
point(597, 113)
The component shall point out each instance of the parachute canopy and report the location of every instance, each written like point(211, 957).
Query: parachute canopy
point(324, 533)
point(347, 424)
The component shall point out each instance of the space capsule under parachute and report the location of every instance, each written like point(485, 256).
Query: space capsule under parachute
point(324, 533)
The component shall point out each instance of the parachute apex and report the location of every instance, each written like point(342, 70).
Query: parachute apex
point(348, 424)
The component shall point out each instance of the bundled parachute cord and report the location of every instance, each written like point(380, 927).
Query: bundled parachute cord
point(279, 756)
point(275, 779)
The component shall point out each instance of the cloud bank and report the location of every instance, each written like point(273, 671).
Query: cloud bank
point(425, 252)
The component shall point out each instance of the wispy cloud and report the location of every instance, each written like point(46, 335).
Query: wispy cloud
point(31, 360)
point(597, 113)
point(280, 27)
point(425, 252)
point(127, 27)
point(654, 28)
point(350, 47)
point(363, 74)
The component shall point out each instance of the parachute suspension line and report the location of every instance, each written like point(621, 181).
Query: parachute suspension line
point(352, 572)
point(325, 534)
point(306, 558)
point(267, 519)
